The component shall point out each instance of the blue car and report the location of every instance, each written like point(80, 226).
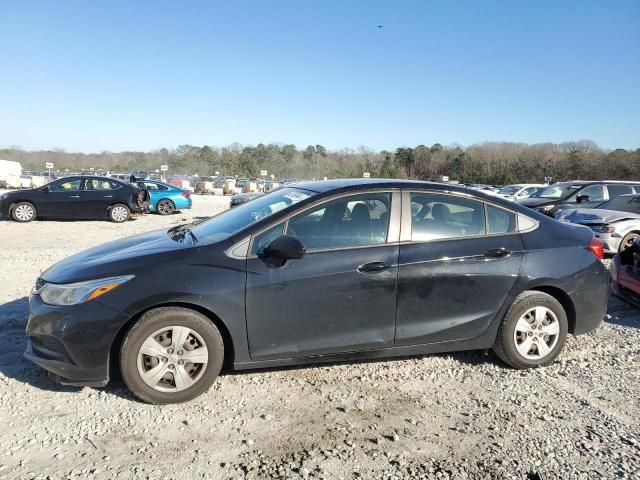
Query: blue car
point(166, 199)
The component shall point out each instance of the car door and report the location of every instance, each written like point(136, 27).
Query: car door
point(459, 258)
point(341, 296)
point(60, 199)
point(96, 197)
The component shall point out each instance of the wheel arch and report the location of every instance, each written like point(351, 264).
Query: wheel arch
point(564, 299)
point(229, 352)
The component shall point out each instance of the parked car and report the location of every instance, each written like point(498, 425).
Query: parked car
point(616, 222)
point(519, 190)
point(318, 272)
point(625, 274)
point(166, 199)
point(240, 198)
point(550, 200)
point(76, 197)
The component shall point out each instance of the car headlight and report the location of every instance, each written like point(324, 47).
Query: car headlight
point(546, 208)
point(603, 229)
point(74, 293)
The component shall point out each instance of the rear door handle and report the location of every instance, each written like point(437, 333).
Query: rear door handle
point(497, 253)
point(374, 267)
point(108, 196)
point(74, 196)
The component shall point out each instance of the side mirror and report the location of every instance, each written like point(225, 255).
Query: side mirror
point(282, 249)
point(582, 198)
point(44, 189)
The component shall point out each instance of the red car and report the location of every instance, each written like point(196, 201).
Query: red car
point(625, 274)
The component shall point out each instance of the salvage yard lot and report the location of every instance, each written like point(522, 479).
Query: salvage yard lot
point(456, 415)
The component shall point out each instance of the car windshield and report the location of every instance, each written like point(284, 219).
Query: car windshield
point(622, 204)
point(230, 221)
point(509, 190)
point(556, 191)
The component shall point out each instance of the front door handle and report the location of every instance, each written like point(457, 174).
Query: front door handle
point(374, 267)
point(74, 196)
point(108, 196)
point(497, 253)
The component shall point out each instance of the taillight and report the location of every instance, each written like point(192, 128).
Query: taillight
point(186, 194)
point(596, 246)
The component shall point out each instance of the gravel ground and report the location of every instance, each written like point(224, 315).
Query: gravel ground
point(460, 415)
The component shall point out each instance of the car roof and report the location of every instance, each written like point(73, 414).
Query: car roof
point(590, 182)
point(322, 186)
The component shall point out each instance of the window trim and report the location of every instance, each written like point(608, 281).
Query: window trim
point(393, 233)
point(406, 227)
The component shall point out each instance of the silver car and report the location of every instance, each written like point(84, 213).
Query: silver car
point(616, 222)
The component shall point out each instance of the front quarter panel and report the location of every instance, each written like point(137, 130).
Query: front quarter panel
point(208, 280)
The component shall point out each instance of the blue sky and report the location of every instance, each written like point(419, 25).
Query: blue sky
point(93, 76)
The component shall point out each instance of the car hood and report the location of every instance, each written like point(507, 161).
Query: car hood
point(123, 256)
point(588, 216)
point(536, 202)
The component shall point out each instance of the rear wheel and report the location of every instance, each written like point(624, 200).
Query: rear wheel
point(533, 331)
point(23, 212)
point(119, 213)
point(171, 355)
point(165, 207)
point(628, 241)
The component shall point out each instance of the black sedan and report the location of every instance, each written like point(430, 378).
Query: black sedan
point(78, 197)
point(318, 272)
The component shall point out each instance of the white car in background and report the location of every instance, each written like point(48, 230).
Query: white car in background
point(519, 190)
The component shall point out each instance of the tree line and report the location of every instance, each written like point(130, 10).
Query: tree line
point(489, 162)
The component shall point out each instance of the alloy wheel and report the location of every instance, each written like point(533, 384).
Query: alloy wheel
point(536, 333)
point(119, 213)
point(165, 207)
point(172, 359)
point(24, 212)
point(628, 241)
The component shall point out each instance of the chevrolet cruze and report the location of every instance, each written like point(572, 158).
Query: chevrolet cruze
point(318, 272)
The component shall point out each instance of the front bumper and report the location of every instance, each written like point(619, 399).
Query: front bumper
point(73, 343)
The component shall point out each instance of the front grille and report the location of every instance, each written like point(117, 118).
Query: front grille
point(49, 347)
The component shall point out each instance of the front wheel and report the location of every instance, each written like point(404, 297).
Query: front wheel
point(171, 355)
point(165, 207)
point(23, 212)
point(119, 213)
point(533, 331)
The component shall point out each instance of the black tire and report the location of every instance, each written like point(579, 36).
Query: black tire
point(165, 207)
point(24, 212)
point(155, 320)
point(119, 213)
point(628, 241)
point(505, 345)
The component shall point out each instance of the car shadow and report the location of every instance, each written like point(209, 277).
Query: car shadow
point(622, 313)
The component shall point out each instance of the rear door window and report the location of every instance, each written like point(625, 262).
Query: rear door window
point(615, 190)
point(439, 216)
point(93, 184)
point(500, 220)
